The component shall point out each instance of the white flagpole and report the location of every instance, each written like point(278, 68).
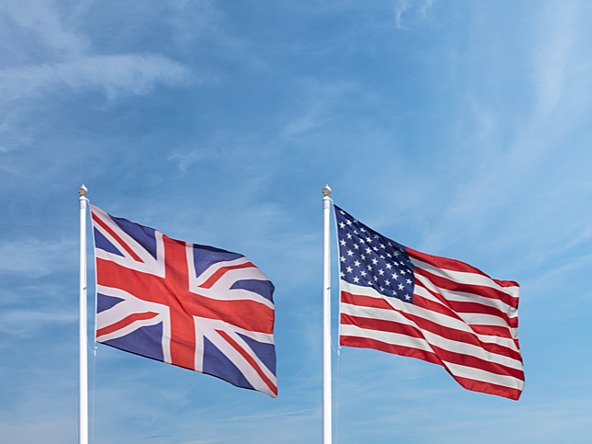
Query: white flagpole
point(83, 333)
point(327, 405)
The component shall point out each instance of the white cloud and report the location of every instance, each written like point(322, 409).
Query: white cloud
point(407, 8)
point(36, 258)
point(42, 23)
point(114, 75)
point(22, 323)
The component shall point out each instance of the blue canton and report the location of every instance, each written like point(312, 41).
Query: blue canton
point(367, 258)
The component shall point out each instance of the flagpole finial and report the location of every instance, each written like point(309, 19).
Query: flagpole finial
point(326, 190)
point(82, 190)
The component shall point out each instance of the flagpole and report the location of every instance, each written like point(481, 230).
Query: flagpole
point(327, 405)
point(83, 333)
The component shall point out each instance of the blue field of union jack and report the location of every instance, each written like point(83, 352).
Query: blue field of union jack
point(193, 306)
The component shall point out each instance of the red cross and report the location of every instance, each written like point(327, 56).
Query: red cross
point(173, 290)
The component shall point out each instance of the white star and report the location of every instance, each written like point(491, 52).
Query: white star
point(389, 266)
point(374, 261)
point(363, 273)
point(356, 279)
point(381, 272)
point(357, 263)
point(342, 259)
point(395, 276)
point(408, 281)
point(401, 286)
point(342, 242)
point(407, 297)
point(341, 225)
point(387, 282)
point(349, 269)
point(350, 253)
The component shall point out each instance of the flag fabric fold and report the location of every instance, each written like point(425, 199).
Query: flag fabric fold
point(401, 301)
point(193, 306)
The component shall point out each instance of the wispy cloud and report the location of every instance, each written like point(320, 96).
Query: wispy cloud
point(114, 75)
point(22, 323)
point(407, 9)
point(501, 167)
point(36, 258)
point(41, 24)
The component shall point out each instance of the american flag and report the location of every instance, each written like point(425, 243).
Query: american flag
point(193, 306)
point(440, 310)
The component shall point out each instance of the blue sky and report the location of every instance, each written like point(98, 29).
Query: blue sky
point(460, 128)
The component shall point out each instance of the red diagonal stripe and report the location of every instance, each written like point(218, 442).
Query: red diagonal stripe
point(116, 237)
point(250, 360)
point(125, 322)
point(221, 272)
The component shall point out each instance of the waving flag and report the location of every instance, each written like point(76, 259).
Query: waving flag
point(401, 301)
point(193, 306)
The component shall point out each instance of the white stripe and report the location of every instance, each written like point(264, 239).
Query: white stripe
point(466, 277)
point(221, 290)
point(239, 361)
point(438, 318)
point(131, 305)
point(468, 318)
point(149, 264)
point(485, 376)
point(459, 348)
point(386, 337)
point(419, 344)
point(130, 328)
point(459, 296)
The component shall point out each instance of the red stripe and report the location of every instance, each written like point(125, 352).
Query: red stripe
point(367, 301)
point(430, 326)
point(116, 237)
point(489, 388)
point(354, 341)
point(364, 301)
point(479, 290)
point(492, 330)
point(125, 322)
point(425, 325)
point(454, 265)
point(221, 271)
point(469, 307)
point(469, 384)
point(250, 360)
point(452, 308)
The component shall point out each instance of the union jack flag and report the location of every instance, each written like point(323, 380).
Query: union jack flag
point(193, 306)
